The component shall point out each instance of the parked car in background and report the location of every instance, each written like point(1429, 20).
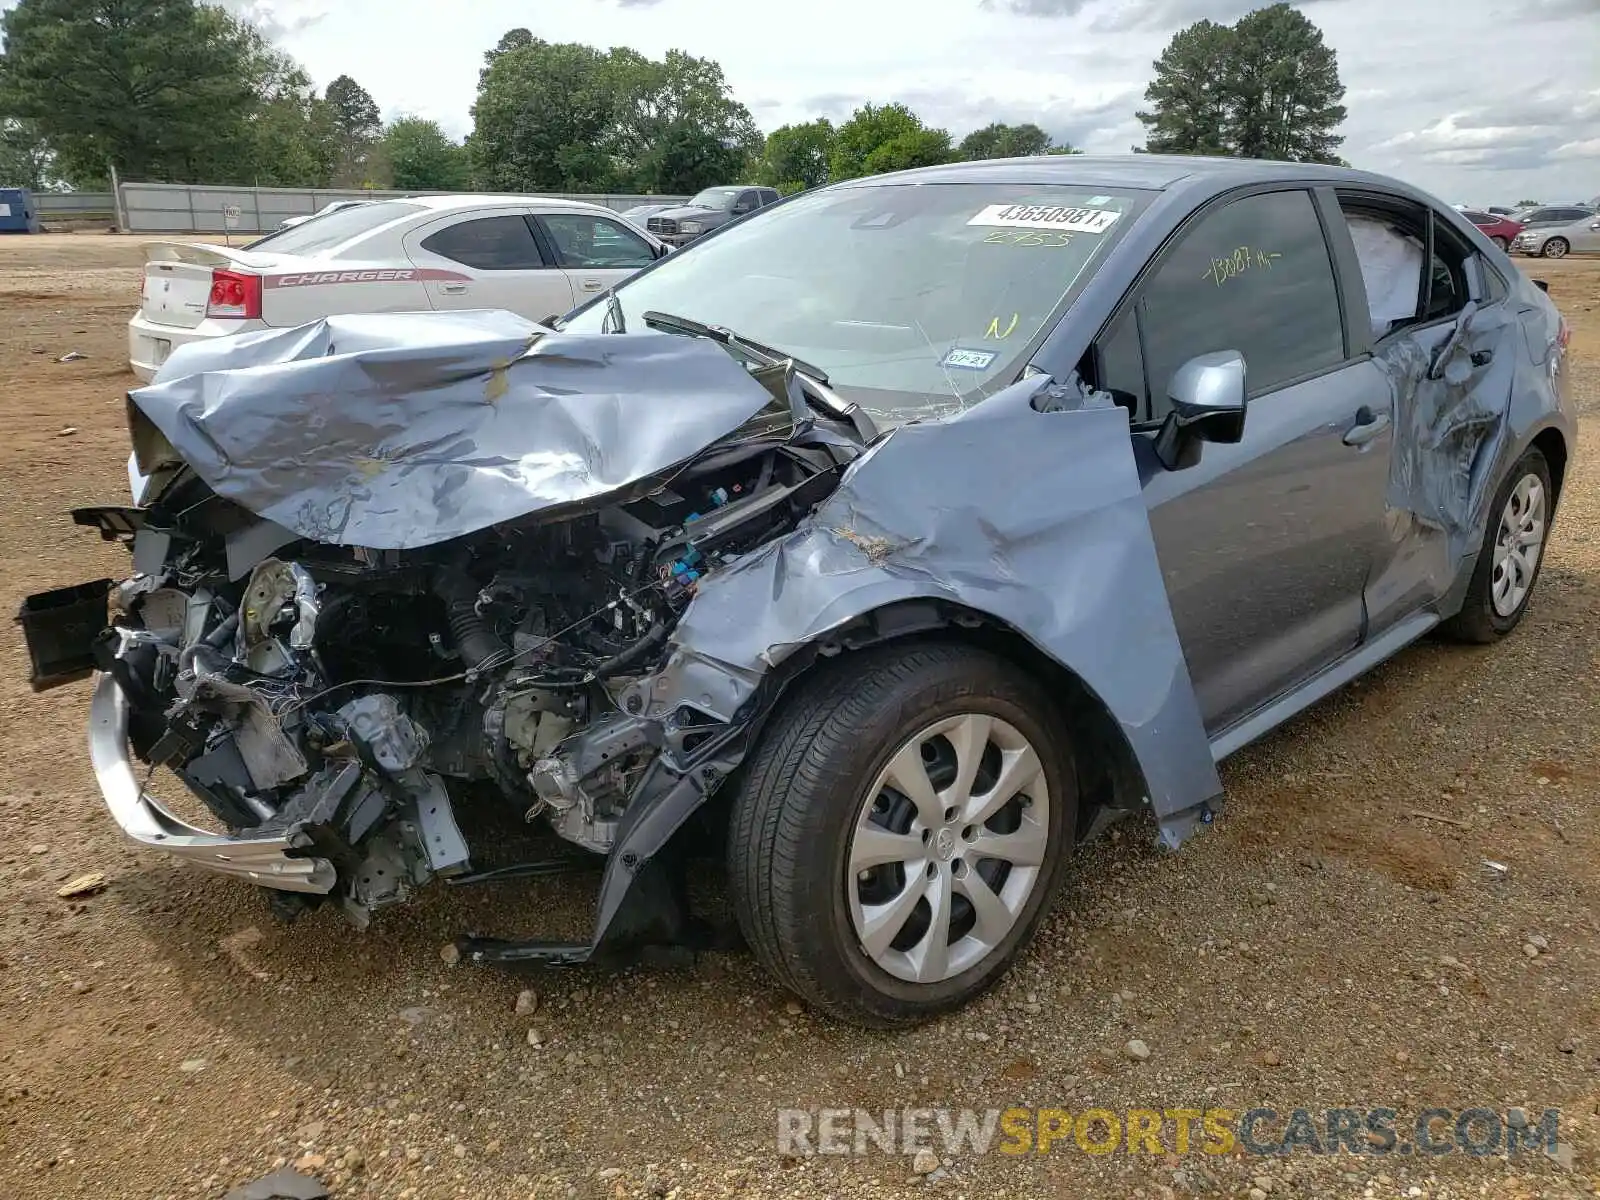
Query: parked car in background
point(336, 206)
point(1582, 234)
point(535, 257)
point(886, 547)
point(1498, 229)
point(1500, 210)
point(1551, 214)
point(708, 210)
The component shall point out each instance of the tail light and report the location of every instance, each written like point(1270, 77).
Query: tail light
point(234, 295)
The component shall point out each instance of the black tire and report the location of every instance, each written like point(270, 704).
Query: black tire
point(1478, 621)
point(793, 818)
point(1554, 248)
point(1501, 242)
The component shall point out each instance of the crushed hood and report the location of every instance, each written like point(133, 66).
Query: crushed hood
point(399, 430)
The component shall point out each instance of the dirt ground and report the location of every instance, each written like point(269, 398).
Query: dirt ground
point(1333, 940)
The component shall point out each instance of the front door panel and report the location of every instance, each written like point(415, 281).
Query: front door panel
point(1266, 545)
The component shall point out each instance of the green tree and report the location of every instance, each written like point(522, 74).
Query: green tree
point(796, 156)
point(1004, 141)
point(357, 126)
point(894, 130)
point(543, 118)
point(913, 148)
point(676, 122)
point(162, 88)
point(1286, 89)
point(573, 118)
point(422, 157)
point(1265, 87)
point(1191, 96)
point(26, 159)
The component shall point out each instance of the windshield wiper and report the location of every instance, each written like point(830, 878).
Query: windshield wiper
point(769, 355)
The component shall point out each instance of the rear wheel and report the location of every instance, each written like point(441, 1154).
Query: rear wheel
point(901, 830)
point(1512, 553)
point(1501, 242)
point(1555, 248)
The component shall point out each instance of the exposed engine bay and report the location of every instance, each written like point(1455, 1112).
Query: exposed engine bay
point(354, 701)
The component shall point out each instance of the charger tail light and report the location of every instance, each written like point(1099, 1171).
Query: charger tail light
point(234, 295)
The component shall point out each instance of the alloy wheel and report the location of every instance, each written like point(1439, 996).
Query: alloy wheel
point(1517, 545)
point(947, 847)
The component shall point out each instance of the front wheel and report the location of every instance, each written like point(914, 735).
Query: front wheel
point(1513, 551)
point(900, 831)
point(1555, 248)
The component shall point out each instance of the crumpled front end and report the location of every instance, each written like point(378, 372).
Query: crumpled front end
point(533, 516)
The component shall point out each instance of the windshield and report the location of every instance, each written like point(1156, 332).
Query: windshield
point(915, 299)
point(327, 230)
point(717, 197)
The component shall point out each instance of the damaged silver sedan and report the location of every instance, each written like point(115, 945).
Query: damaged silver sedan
point(885, 548)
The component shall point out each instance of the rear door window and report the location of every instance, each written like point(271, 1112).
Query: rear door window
point(1254, 276)
point(502, 243)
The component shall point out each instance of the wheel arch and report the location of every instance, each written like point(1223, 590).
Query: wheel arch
point(1550, 442)
point(1110, 779)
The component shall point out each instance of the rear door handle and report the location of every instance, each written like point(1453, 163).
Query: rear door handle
point(1368, 426)
point(454, 289)
point(590, 285)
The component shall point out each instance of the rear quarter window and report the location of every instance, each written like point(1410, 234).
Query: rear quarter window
point(333, 230)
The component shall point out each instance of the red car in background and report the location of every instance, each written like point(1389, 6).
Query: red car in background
point(1499, 229)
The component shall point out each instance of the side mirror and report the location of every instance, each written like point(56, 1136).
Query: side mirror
point(1208, 405)
point(663, 250)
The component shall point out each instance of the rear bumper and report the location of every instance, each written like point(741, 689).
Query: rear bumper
point(262, 861)
point(149, 344)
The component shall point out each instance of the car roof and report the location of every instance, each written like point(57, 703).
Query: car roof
point(456, 202)
point(1151, 172)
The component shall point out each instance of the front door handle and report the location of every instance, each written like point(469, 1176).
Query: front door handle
point(1368, 426)
point(590, 285)
point(454, 289)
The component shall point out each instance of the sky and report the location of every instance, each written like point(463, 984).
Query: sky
point(1477, 101)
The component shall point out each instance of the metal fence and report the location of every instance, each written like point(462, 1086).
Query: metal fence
point(192, 208)
point(75, 206)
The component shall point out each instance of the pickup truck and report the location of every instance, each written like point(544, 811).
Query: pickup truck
point(708, 210)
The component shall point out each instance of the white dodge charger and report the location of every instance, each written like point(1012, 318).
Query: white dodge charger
point(533, 256)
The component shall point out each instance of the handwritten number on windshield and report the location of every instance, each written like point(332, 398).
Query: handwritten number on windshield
point(1024, 237)
point(1242, 259)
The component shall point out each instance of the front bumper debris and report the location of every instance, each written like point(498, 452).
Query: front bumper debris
point(265, 861)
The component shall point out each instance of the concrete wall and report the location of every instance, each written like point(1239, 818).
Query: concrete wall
point(75, 206)
point(192, 208)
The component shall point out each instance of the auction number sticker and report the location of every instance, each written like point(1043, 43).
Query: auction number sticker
point(968, 360)
point(1046, 216)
